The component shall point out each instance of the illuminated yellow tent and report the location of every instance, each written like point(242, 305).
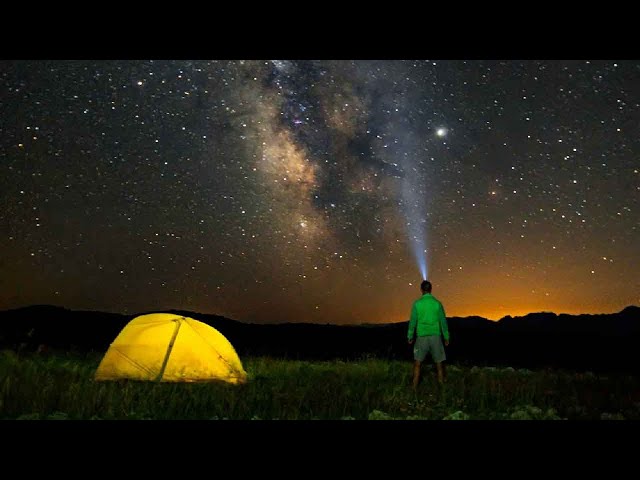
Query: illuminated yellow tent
point(171, 348)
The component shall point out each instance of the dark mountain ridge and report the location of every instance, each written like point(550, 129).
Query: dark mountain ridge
point(596, 342)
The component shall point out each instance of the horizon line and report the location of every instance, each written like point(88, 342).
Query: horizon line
point(268, 322)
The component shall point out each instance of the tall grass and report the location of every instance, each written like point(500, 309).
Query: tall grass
point(61, 386)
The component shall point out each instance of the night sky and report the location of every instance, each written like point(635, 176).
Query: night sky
point(309, 191)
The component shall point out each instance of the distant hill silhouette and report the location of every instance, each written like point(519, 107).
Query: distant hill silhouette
point(598, 342)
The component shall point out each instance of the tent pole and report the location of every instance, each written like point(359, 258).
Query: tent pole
point(169, 348)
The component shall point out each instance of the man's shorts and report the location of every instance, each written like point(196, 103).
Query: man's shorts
point(429, 344)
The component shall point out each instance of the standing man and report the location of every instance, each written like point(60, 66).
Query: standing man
point(430, 322)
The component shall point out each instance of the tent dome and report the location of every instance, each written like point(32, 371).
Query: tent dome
point(171, 348)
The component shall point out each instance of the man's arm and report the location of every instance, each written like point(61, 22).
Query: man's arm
point(443, 324)
point(413, 321)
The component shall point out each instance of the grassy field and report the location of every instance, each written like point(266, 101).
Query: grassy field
point(61, 386)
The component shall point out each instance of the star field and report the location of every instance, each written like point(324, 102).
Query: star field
point(280, 190)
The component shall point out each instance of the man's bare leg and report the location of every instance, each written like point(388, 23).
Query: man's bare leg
point(416, 374)
point(441, 372)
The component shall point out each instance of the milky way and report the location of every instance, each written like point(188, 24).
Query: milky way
point(280, 190)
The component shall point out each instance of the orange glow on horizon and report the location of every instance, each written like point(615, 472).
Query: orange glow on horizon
point(498, 314)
